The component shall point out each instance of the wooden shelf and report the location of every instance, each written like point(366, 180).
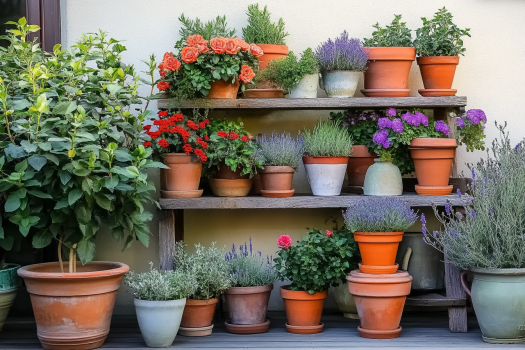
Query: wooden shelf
point(435, 299)
point(318, 103)
point(295, 202)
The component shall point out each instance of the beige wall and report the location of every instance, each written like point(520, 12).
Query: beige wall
point(492, 75)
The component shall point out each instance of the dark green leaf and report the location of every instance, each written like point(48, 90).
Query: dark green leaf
point(37, 161)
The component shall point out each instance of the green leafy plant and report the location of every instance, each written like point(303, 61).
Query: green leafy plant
point(328, 139)
point(261, 30)
point(211, 29)
point(281, 150)
point(289, 71)
point(267, 78)
point(440, 36)
point(71, 156)
point(394, 35)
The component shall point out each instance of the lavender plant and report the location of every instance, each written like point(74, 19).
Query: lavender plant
point(379, 214)
point(490, 232)
point(342, 54)
point(328, 139)
point(281, 150)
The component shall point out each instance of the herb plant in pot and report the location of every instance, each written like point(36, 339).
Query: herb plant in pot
point(391, 54)
point(281, 155)
point(318, 261)
point(342, 63)
point(300, 76)
point(247, 299)
point(438, 44)
point(327, 148)
point(160, 297)
point(9, 283)
point(266, 83)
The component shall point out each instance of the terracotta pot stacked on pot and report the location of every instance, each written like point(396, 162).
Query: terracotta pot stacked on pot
point(183, 177)
point(247, 308)
point(228, 183)
point(197, 319)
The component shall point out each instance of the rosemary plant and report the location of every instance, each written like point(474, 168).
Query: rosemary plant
point(215, 28)
point(261, 30)
point(328, 139)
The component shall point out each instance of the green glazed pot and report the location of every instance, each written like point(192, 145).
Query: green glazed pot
point(9, 282)
point(498, 297)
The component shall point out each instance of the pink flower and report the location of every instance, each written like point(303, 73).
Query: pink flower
point(329, 233)
point(284, 241)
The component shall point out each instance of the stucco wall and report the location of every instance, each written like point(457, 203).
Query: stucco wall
point(491, 74)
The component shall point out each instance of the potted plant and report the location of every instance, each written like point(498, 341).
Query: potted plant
point(300, 76)
point(485, 237)
point(342, 63)
point(327, 148)
point(391, 54)
point(267, 35)
point(72, 157)
point(159, 298)
point(247, 299)
point(9, 283)
point(232, 159)
point(266, 83)
point(318, 261)
point(213, 277)
point(180, 143)
point(438, 44)
point(281, 155)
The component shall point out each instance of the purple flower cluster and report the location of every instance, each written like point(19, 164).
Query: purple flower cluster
point(391, 112)
point(397, 125)
point(442, 127)
point(475, 116)
point(384, 123)
point(342, 54)
point(460, 122)
point(354, 118)
point(416, 119)
point(381, 138)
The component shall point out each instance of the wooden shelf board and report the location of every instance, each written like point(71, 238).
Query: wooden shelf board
point(434, 299)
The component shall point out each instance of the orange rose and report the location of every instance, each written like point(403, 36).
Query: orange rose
point(242, 44)
point(167, 55)
point(194, 40)
point(247, 74)
point(203, 48)
point(161, 66)
point(163, 73)
point(163, 85)
point(231, 47)
point(218, 44)
point(171, 64)
point(256, 50)
point(189, 54)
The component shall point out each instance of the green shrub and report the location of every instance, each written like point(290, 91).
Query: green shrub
point(261, 30)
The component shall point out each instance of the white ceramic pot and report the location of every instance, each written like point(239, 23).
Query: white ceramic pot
point(340, 83)
point(159, 321)
point(383, 179)
point(306, 88)
point(325, 174)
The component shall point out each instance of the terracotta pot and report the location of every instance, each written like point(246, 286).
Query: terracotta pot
point(303, 310)
point(277, 178)
point(358, 164)
point(73, 310)
point(256, 185)
point(224, 89)
point(378, 248)
point(230, 188)
point(248, 305)
point(184, 174)
point(198, 313)
point(271, 52)
point(224, 172)
point(433, 159)
point(380, 300)
point(438, 72)
point(325, 174)
point(264, 93)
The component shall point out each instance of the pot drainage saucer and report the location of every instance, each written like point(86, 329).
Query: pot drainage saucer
point(247, 328)
point(195, 332)
point(378, 270)
point(434, 190)
point(304, 329)
point(277, 194)
point(437, 92)
point(379, 334)
point(385, 92)
point(181, 194)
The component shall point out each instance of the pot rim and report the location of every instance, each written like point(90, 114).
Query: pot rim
point(326, 160)
point(342, 71)
point(250, 290)
point(10, 267)
point(118, 269)
point(501, 272)
point(449, 60)
point(161, 302)
point(197, 302)
point(274, 48)
point(265, 90)
point(384, 53)
point(273, 169)
point(429, 142)
point(301, 295)
point(398, 277)
point(362, 152)
point(391, 233)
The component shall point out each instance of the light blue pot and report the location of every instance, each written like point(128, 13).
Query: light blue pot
point(383, 179)
point(159, 321)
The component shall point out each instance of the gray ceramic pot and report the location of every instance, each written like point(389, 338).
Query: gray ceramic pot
point(383, 179)
point(340, 83)
point(498, 297)
point(9, 282)
point(159, 321)
point(345, 301)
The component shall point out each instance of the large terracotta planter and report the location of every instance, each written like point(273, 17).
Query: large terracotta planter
point(387, 73)
point(277, 181)
point(183, 178)
point(198, 313)
point(222, 89)
point(358, 164)
point(271, 52)
point(264, 93)
point(325, 174)
point(9, 282)
point(438, 74)
point(380, 300)
point(303, 310)
point(378, 251)
point(247, 307)
point(73, 310)
point(433, 159)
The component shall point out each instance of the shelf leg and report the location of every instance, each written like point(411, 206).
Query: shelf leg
point(171, 230)
point(457, 316)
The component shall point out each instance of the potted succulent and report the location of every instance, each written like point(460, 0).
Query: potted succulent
point(327, 148)
point(342, 63)
point(213, 277)
point(438, 44)
point(72, 157)
point(247, 299)
point(300, 76)
point(159, 298)
point(391, 54)
point(266, 83)
point(9, 283)
point(318, 261)
point(485, 237)
point(281, 155)
point(267, 35)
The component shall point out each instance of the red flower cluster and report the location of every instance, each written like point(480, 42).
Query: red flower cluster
point(163, 85)
point(222, 134)
point(187, 148)
point(284, 241)
point(329, 233)
point(202, 143)
point(192, 125)
point(233, 136)
point(201, 154)
point(146, 144)
point(163, 113)
point(163, 143)
point(245, 138)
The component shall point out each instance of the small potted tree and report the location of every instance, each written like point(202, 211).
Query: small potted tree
point(160, 297)
point(327, 148)
point(281, 155)
point(438, 44)
point(247, 299)
point(342, 62)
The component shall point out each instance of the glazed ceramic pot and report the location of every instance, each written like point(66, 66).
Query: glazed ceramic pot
point(73, 310)
point(271, 52)
point(303, 310)
point(277, 181)
point(378, 251)
point(306, 88)
point(325, 174)
point(380, 300)
point(182, 178)
point(433, 159)
point(198, 313)
point(497, 297)
point(264, 93)
point(230, 188)
point(340, 83)
point(345, 301)
point(9, 283)
point(159, 321)
point(222, 89)
point(247, 306)
point(383, 179)
point(358, 164)
point(438, 74)
point(387, 71)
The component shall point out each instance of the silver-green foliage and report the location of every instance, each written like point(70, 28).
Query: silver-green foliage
point(158, 285)
point(281, 150)
point(328, 139)
point(491, 232)
point(261, 30)
point(250, 270)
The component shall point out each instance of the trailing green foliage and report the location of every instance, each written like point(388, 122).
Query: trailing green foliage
point(249, 269)
point(281, 150)
point(261, 30)
point(327, 138)
point(211, 29)
point(394, 35)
